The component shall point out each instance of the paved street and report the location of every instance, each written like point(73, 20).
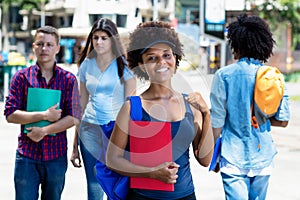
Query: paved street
point(284, 183)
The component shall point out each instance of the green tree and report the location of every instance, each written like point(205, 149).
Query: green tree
point(281, 11)
point(7, 25)
point(23, 4)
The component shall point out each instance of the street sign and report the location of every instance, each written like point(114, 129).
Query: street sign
point(215, 18)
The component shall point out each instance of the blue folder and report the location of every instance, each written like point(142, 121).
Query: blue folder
point(216, 156)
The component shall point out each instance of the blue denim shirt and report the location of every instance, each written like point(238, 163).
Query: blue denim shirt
point(231, 97)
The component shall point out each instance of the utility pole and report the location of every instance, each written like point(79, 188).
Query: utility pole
point(203, 8)
point(155, 11)
point(202, 37)
point(43, 13)
point(201, 18)
point(1, 26)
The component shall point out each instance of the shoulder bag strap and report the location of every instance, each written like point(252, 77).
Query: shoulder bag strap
point(135, 108)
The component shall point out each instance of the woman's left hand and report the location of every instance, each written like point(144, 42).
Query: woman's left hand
point(75, 157)
point(197, 101)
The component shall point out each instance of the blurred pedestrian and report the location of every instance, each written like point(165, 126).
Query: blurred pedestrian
point(203, 65)
point(41, 159)
point(105, 82)
point(247, 153)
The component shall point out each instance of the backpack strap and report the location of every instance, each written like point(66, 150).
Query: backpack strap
point(254, 122)
point(135, 108)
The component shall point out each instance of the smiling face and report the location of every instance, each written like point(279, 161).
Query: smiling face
point(102, 42)
point(159, 63)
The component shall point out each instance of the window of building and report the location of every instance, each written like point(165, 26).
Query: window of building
point(121, 20)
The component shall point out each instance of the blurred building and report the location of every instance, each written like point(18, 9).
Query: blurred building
point(74, 19)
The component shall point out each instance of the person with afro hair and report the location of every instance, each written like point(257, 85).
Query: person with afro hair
point(154, 52)
point(247, 153)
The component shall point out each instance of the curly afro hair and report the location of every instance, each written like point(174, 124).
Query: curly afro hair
point(250, 37)
point(148, 33)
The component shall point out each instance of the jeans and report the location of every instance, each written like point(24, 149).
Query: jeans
point(242, 187)
point(30, 174)
point(90, 144)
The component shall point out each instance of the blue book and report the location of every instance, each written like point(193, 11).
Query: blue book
point(216, 155)
point(40, 99)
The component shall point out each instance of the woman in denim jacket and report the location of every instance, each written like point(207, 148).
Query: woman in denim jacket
point(247, 153)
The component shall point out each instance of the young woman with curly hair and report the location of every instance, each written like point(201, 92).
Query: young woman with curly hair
point(246, 153)
point(154, 53)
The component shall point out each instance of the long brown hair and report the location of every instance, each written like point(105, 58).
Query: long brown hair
point(110, 28)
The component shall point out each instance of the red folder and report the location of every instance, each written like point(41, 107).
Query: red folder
point(150, 145)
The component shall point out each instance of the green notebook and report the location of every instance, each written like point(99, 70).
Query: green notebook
point(40, 99)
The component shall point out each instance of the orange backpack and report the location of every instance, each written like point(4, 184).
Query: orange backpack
point(268, 92)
